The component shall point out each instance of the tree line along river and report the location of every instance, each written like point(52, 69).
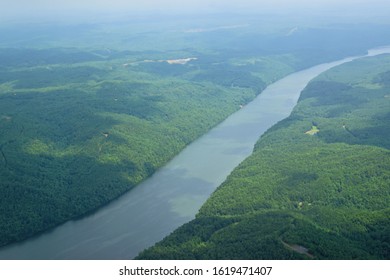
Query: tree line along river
point(174, 194)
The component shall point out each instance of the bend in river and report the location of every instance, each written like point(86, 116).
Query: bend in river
point(174, 194)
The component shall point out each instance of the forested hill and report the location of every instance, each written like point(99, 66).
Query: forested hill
point(317, 185)
point(80, 127)
point(79, 130)
point(88, 112)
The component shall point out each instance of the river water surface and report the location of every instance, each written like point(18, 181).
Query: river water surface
point(174, 194)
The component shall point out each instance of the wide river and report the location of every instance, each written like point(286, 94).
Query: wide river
point(174, 194)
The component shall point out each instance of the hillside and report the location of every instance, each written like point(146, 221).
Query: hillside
point(317, 185)
point(89, 111)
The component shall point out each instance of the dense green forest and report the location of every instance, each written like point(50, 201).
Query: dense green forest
point(317, 185)
point(87, 112)
point(77, 135)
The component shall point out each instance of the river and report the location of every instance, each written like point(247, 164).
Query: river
point(174, 194)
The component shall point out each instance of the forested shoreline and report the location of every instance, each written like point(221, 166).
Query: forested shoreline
point(316, 185)
point(87, 113)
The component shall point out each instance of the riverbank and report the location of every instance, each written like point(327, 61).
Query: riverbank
point(160, 204)
point(323, 196)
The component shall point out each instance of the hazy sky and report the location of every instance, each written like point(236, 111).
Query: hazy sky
point(14, 9)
